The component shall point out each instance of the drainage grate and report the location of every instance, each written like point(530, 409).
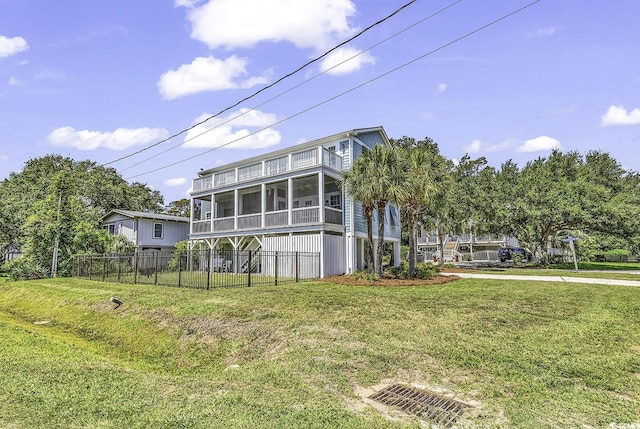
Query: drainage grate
point(426, 405)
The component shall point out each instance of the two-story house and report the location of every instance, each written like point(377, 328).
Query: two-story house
point(290, 200)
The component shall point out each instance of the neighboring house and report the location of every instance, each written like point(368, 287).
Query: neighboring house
point(290, 200)
point(147, 231)
point(464, 247)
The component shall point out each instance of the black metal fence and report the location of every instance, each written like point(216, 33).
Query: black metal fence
point(205, 269)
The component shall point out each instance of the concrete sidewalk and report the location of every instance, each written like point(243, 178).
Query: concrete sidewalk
point(566, 279)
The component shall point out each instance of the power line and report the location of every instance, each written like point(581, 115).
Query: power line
point(268, 86)
point(294, 87)
point(380, 76)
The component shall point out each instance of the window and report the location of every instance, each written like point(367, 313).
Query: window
point(331, 148)
point(158, 230)
point(393, 216)
point(334, 202)
point(112, 229)
point(344, 145)
point(308, 203)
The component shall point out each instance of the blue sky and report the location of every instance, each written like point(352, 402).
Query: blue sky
point(102, 79)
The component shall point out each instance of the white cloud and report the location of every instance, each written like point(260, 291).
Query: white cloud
point(11, 46)
point(345, 60)
point(478, 146)
point(178, 181)
point(550, 31)
point(243, 23)
point(618, 115)
point(442, 87)
point(120, 139)
point(233, 131)
point(14, 81)
point(206, 74)
point(538, 144)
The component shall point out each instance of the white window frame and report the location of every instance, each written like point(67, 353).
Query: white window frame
point(161, 230)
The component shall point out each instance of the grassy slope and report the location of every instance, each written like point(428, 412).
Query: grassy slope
point(531, 354)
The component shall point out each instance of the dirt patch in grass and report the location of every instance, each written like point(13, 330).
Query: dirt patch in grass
point(352, 280)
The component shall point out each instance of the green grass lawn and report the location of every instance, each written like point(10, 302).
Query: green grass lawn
point(526, 354)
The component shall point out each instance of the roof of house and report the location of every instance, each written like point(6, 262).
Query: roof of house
point(145, 215)
point(309, 144)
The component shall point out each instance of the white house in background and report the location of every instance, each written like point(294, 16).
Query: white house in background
point(463, 247)
point(147, 231)
point(290, 200)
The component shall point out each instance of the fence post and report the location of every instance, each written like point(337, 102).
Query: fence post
point(135, 268)
point(90, 266)
point(104, 267)
point(155, 268)
point(179, 268)
point(249, 270)
point(119, 266)
point(276, 268)
point(208, 252)
point(297, 262)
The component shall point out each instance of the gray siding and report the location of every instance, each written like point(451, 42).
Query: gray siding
point(172, 233)
point(370, 139)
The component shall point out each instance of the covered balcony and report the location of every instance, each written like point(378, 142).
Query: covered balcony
point(313, 199)
point(270, 167)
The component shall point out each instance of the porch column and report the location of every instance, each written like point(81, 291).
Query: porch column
point(289, 199)
point(396, 253)
point(236, 207)
point(213, 212)
point(321, 197)
point(263, 193)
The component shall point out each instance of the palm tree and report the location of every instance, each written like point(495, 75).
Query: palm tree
point(387, 186)
point(423, 183)
point(356, 182)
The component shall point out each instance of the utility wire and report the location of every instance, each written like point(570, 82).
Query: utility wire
point(268, 86)
point(380, 76)
point(293, 87)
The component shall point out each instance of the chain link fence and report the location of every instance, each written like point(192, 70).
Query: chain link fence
point(206, 269)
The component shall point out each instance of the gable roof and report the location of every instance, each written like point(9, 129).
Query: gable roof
point(144, 215)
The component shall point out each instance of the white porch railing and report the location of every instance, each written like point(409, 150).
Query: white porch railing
point(128, 233)
point(224, 224)
point(306, 215)
point(331, 159)
point(332, 215)
point(279, 218)
point(201, 226)
point(304, 159)
point(250, 221)
point(202, 183)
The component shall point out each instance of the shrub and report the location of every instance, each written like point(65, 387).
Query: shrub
point(24, 269)
point(424, 270)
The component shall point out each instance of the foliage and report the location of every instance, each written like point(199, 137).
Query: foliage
point(566, 191)
point(180, 208)
point(24, 269)
point(182, 250)
point(424, 175)
point(424, 270)
point(98, 189)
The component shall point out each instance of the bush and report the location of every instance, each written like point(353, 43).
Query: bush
point(24, 269)
point(424, 270)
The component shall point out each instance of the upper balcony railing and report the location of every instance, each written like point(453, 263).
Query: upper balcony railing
point(271, 167)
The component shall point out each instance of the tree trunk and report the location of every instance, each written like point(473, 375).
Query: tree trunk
point(413, 242)
point(381, 211)
point(368, 245)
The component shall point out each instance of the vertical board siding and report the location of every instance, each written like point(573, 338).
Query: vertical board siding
point(303, 243)
point(334, 255)
point(172, 233)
